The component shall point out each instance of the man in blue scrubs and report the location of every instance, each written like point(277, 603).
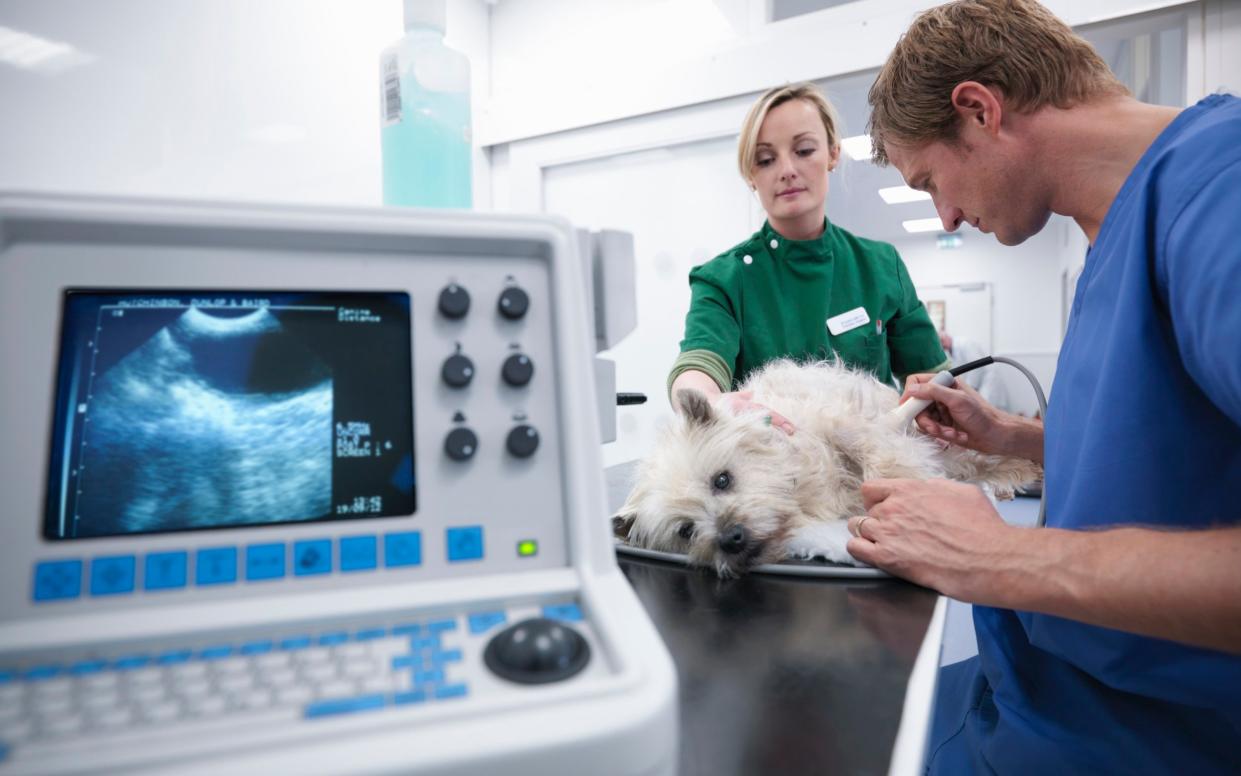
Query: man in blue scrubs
point(1110, 641)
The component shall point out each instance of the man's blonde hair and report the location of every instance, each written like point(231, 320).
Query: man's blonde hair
point(747, 144)
point(1015, 46)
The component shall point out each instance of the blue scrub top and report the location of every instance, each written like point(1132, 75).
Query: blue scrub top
point(1144, 428)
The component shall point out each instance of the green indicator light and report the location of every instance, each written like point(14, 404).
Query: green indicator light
point(527, 548)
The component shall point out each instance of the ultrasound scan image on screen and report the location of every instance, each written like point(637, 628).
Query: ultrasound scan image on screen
point(183, 410)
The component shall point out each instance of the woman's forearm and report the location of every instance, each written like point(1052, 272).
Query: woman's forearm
point(692, 379)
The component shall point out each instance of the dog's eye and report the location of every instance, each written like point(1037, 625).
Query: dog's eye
point(686, 531)
point(723, 481)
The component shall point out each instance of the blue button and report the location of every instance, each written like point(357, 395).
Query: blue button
point(216, 653)
point(174, 657)
point(465, 543)
point(429, 676)
point(345, 706)
point(264, 561)
point(447, 656)
point(312, 557)
point(440, 626)
point(87, 667)
point(165, 570)
point(568, 612)
point(57, 579)
point(39, 673)
point(413, 696)
point(295, 643)
point(407, 629)
point(216, 566)
point(256, 648)
point(130, 662)
point(334, 638)
point(370, 634)
point(358, 553)
point(407, 661)
point(112, 575)
point(424, 642)
point(403, 549)
point(485, 621)
point(6, 677)
point(451, 691)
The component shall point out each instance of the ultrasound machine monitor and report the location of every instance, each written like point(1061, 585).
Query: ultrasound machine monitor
point(304, 490)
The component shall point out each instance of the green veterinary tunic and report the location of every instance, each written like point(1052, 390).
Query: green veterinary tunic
point(770, 298)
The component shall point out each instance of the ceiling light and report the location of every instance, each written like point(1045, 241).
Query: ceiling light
point(896, 195)
point(947, 242)
point(857, 147)
point(31, 52)
point(923, 225)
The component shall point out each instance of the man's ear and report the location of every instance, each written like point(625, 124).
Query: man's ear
point(978, 106)
point(695, 406)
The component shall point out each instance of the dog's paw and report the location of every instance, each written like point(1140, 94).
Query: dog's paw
point(822, 540)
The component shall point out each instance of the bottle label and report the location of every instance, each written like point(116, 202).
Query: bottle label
point(390, 68)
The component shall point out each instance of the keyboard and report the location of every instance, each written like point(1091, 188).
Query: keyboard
point(256, 678)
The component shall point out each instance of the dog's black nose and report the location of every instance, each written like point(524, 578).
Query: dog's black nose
point(733, 539)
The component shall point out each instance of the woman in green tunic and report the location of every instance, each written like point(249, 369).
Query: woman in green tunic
point(800, 287)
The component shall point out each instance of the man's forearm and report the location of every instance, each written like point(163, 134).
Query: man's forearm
point(1182, 585)
point(1021, 437)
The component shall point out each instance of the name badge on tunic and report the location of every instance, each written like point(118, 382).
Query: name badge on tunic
point(839, 324)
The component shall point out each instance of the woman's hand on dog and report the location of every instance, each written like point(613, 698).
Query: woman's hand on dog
point(743, 401)
point(941, 534)
point(738, 401)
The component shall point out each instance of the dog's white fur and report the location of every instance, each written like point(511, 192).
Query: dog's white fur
point(792, 495)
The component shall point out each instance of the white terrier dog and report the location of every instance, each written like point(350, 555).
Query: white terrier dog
point(731, 492)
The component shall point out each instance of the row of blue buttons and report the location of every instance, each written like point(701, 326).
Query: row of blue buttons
point(481, 622)
point(115, 575)
point(421, 635)
point(374, 702)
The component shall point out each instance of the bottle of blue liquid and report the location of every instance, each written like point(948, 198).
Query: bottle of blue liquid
point(425, 114)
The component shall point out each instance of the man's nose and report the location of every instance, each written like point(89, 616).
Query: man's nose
point(950, 216)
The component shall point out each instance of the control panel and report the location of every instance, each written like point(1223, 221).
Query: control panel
point(207, 438)
point(272, 471)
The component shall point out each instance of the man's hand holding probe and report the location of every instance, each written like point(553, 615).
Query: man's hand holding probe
point(942, 534)
point(947, 536)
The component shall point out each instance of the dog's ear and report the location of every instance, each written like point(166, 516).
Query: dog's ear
point(622, 524)
point(697, 408)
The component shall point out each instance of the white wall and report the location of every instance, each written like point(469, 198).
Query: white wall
point(561, 64)
point(273, 100)
point(684, 204)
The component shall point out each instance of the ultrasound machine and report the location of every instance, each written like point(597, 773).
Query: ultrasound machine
point(309, 490)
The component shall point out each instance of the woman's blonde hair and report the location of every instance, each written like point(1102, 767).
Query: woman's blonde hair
point(1015, 46)
point(747, 144)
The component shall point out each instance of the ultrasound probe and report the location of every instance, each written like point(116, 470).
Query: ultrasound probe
point(906, 412)
point(910, 409)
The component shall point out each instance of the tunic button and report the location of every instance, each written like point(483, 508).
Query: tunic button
point(775, 244)
point(748, 259)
